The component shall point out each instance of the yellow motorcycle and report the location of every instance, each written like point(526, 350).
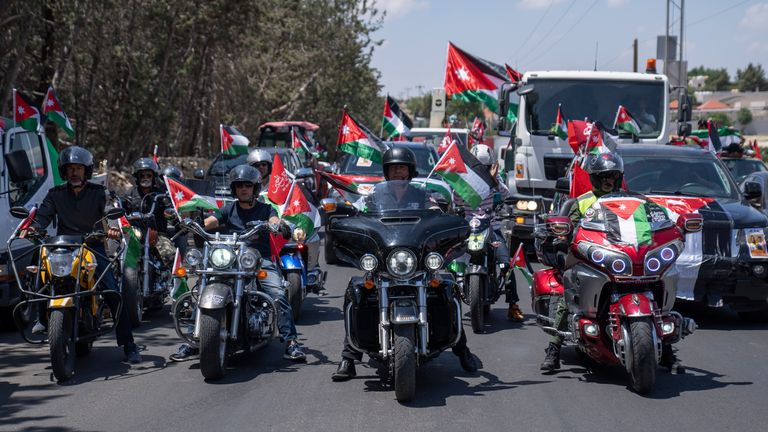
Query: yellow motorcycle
point(62, 276)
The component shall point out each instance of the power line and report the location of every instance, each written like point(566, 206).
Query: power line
point(718, 13)
point(534, 28)
point(551, 28)
point(567, 31)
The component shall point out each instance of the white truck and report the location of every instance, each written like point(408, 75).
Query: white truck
point(538, 158)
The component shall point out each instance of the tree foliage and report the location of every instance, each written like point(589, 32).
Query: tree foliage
point(752, 78)
point(717, 79)
point(135, 73)
point(744, 116)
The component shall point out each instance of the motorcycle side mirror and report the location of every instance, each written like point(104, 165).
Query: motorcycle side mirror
point(563, 184)
point(690, 222)
point(460, 212)
point(199, 173)
point(752, 190)
point(329, 205)
point(115, 213)
point(559, 225)
point(19, 212)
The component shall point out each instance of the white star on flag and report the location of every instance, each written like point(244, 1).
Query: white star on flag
point(623, 116)
point(295, 203)
point(622, 207)
point(179, 195)
point(21, 110)
point(345, 130)
point(451, 161)
point(462, 73)
point(49, 103)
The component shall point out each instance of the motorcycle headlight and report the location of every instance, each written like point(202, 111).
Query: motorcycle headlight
point(249, 259)
point(368, 262)
point(527, 205)
point(401, 262)
point(60, 262)
point(299, 234)
point(476, 241)
point(193, 257)
point(658, 260)
point(617, 263)
point(221, 257)
point(433, 261)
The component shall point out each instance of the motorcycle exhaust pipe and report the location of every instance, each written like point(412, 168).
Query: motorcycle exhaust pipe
point(423, 325)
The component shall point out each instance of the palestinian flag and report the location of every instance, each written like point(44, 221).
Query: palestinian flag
point(726, 135)
point(53, 156)
point(519, 262)
point(341, 183)
point(301, 213)
point(514, 76)
point(299, 144)
point(396, 123)
point(280, 182)
point(132, 251)
point(466, 175)
point(625, 122)
point(472, 79)
point(627, 220)
point(560, 129)
point(52, 110)
point(233, 142)
point(184, 199)
point(677, 206)
point(24, 114)
point(355, 139)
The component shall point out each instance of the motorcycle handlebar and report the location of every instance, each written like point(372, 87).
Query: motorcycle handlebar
point(194, 227)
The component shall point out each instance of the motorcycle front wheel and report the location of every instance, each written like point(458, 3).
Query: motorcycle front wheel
point(213, 343)
point(476, 315)
point(643, 369)
point(61, 343)
point(133, 296)
point(405, 363)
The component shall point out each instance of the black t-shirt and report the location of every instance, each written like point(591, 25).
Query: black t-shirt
point(234, 219)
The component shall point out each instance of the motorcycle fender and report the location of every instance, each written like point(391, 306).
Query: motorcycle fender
point(61, 303)
point(634, 305)
point(547, 282)
point(215, 296)
point(290, 262)
point(403, 311)
point(475, 269)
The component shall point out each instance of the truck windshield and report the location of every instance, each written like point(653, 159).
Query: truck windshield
point(29, 143)
point(595, 100)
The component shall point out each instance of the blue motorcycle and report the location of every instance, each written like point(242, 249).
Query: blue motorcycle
point(298, 262)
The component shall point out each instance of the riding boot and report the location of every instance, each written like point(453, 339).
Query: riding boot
point(552, 360)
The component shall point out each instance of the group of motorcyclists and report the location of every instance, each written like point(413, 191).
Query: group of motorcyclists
point(79, 204)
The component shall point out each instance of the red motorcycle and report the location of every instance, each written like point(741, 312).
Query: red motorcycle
point(619, 280)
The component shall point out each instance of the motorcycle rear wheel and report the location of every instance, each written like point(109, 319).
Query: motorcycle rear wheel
point(213, 343)
point(405, 363)
point(133, 298)
point(294, 294)
point(476, 315)
point(61, 343)
point(643, 370)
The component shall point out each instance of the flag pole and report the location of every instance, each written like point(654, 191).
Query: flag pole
point(287, 199)
point(381, 130)
point(616, 118)
point(453, 143)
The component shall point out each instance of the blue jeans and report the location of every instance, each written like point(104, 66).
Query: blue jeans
point(123, 330)
point(272, 285)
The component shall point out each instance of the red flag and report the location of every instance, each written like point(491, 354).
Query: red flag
point(514, 75)
point(297, 204)
point(154, 154)
point(577, 134)
point(478, 130)
point(580, 183)
point(279, 182)
point(451, 161)
point(518, 260)
point(446, 142)
point(756, 148)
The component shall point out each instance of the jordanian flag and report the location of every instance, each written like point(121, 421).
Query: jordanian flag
point(301, 213)
point(627, 221)
point(472, 79)
point(355, 139)
point(233, 142)
point(434, 185)
point(396, 123)
point(52, 110)
point(519, 262)
point(185, 200)
point(179, 282)
point(466, 175)
point(560, 129)
point(132, 244)
point(625, 122)
point(24, 114)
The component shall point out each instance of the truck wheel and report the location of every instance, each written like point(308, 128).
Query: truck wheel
point(61, 344)
point(643, 370)
point(330, 253)
point(405, 363)
point(294, 294)
point(475, 284)
point(133, 298)
point(213, 343)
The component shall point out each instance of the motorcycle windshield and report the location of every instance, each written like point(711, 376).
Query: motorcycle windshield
point(397, 196)
point(626, 218)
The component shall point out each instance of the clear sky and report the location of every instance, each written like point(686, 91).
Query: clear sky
point(560, 34)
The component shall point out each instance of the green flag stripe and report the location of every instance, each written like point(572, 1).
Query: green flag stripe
point(362, 149)
point(463, 188)
point(642, 227)
point(483, 96)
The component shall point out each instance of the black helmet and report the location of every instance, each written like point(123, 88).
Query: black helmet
point(399, 156)
point(173, 172)
point(602, 164)
point(145, 164)
point(245, 173)
point(76, 155)
point(257, 156)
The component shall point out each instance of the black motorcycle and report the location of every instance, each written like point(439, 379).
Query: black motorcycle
point(404, 310)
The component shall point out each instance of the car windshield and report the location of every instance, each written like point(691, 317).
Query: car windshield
point(351, 164)
point(597, 100)
point(662, 175)
point(741, 168)
point(397, 195)
point(224, 163)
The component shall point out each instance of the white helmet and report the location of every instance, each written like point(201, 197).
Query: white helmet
point(483, 153)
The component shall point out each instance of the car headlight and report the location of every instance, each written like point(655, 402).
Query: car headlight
point(221, 257)
point(368, 262)
point(527, 205)
point(249, 259)
point(614, 261)
point(476, 241)
point(299, 234)
point(401, 262)
point(193, 257)
point(433, 261)
point(658, 260)
point(60, 262)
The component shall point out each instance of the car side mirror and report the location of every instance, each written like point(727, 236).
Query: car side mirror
point(683, 129)
point(690, 222)
point(526, 89)
point(559, 225)
point(752, 190)
point(199, 173)
point(684, 107)
point(115, 213)
point(19, 168)
point(19, 212)
point(563, 185)
point(303, 173)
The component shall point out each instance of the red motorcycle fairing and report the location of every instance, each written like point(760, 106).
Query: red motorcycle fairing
point(633, 305)
point(547, 282)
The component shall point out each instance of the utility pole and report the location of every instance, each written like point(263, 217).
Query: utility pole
point(634, 56)
point(680, 60)
point(666, 40)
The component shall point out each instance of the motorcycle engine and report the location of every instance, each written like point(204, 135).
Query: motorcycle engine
point(260, 319)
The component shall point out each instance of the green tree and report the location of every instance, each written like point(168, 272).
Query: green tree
point(744, 116)
point(420, 106)
point(721, 119)
point(752, 78)
point(717, 79)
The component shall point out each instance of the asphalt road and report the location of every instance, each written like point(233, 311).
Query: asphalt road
point(724, 389)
